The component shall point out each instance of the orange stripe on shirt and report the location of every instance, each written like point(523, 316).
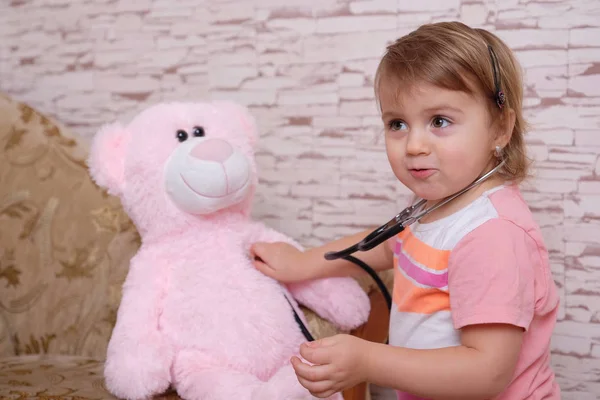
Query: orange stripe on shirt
point(409, 298)
point(421, 252)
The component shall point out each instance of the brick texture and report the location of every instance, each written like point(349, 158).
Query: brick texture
point(306, 67)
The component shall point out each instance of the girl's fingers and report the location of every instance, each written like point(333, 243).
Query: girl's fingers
point(264, 268)
point(324, 395)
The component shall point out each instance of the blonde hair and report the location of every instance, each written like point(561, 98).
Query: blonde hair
point(453, 56)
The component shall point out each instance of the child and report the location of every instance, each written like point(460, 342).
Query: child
point(474, 300)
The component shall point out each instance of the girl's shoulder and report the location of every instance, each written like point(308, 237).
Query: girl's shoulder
point(502, 206)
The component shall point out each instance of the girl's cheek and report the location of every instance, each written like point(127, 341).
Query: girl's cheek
point(392, 134)
point(462, 152)
point(446, 131)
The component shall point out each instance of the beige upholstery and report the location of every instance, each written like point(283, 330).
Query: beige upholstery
point(64, 244)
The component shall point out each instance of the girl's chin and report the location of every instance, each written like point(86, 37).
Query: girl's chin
point(429, 193)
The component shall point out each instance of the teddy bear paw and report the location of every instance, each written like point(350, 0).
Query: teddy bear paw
point(284, 385)
point(350, 308)
point(131, 380)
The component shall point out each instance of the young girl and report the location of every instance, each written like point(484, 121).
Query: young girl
point(474, 302)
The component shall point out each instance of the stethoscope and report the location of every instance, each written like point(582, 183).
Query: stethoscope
point(403, 219)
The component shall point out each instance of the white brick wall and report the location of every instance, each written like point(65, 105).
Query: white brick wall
point(306, 70)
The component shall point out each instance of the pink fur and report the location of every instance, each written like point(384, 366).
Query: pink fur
point(106, 161)
point(195, 313)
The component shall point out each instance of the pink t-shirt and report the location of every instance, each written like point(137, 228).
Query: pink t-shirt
point(486, 263)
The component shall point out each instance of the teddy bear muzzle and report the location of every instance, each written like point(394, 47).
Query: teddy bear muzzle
point(205, 175)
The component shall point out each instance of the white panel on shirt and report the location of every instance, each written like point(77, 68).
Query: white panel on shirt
point(445, 233)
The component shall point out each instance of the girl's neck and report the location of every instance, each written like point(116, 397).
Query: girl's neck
point(461, 201)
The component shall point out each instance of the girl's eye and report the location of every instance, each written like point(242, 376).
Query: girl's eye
point(397, 125)
point(440, 122)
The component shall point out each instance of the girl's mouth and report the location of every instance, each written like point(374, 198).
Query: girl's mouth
point(419, 173)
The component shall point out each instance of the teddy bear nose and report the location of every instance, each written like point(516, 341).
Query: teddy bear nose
point(212, 150)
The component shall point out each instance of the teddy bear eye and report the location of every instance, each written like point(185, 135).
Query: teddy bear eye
point(182, 135)
point(198, 131)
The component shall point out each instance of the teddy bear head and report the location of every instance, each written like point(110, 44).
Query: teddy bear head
point(177, 163)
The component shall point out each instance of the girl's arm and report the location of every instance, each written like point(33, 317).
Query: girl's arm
point(491, 275)
point(493, 294)
point(379, 258)
point(480, 368)
point(286, 263)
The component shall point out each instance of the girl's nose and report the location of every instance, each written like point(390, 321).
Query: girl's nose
point(417, 143)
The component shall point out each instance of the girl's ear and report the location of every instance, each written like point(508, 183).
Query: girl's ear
point(107, 157)
point(505, 128)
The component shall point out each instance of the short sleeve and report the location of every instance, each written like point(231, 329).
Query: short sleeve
point(491, 276)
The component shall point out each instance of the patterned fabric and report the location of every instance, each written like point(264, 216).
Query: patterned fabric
point(55, 378)
point(64, 244)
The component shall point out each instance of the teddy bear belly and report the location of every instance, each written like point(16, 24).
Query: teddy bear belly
point(236, 315)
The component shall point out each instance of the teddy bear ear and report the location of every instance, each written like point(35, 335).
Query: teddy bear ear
point(107, 157)
point(243, 116)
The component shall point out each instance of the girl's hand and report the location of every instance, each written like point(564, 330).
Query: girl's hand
point(339, 363)
point(281, 261)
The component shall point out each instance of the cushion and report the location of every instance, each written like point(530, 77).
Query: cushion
point(55, 377)
point(64, 244)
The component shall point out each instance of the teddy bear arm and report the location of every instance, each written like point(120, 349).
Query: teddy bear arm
point(139, 309)
point(339, 300)
point(136, 343)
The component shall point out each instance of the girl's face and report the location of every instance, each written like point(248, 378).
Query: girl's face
point(438, 141)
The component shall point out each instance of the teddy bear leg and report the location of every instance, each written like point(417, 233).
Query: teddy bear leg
point(137, 375)
point(284, 385)
point(197, 377)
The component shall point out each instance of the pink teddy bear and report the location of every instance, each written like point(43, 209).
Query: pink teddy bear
point(195, 314)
